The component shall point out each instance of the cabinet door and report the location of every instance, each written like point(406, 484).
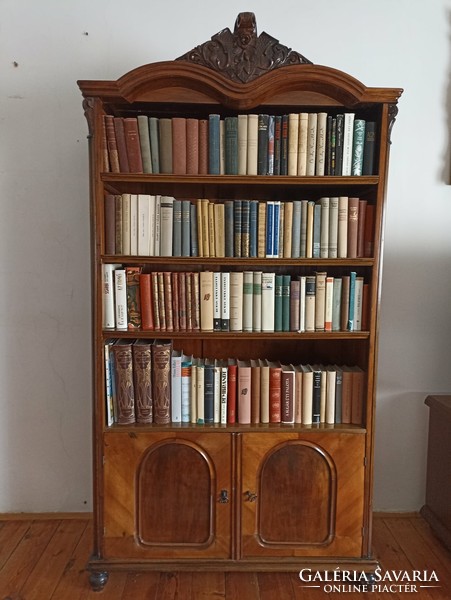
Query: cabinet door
point(302, 494)
point(167, 495)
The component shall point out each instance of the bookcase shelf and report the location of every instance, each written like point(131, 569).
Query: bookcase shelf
point(171, 494)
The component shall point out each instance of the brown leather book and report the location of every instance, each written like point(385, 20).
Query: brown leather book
point(133, 145)
point(121, 145)
point(232, 373)
point(175, 300)
point(110, 224)
point(155, 300)
point(369, 231)
point(105, 157)
point(168, 308)
point(361, 229)
point(161, 378)
point(123, 381)
point(182, 300)
point(145, 290)
point(142, 380)
point(110, 133)
point(179, 146)
point(203, 147)
point(346, 395)
point(275, 378)
point(192, 146)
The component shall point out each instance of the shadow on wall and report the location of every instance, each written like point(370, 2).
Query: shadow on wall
point(400, 450)
point(445, 175)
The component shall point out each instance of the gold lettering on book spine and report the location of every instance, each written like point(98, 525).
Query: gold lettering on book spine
point(161, 356)
point(124, 385)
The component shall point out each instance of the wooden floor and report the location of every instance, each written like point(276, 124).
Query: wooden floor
point(44, 559)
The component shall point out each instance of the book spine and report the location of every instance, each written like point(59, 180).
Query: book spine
point(213, 145)
point(262, 164)
point(124, 387)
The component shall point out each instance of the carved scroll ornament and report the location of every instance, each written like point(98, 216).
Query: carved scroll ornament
point(242, 55)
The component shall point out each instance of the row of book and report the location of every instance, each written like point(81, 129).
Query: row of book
point(147, 381)
point(241, 301)
point(155, 225)
point(295, 144)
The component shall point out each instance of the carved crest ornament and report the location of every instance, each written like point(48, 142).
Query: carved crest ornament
point(243, 56)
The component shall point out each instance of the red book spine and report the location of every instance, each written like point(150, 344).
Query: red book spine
point(133, 145)
point(192, 146)
point(275, 377)
point(111, 144)
point(179, 145)
point(231, 392)
point(182, 301)
point(121, 145)
point(145, 288)
point(175, 301)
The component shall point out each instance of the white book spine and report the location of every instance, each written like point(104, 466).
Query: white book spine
point(268, 298)
point(307, 396)
point(257, 301)
point(224, 383)
point(293, 142)
point(109, 314)
point(225, 301)
point(242, 144)
point(236, 301)
point(333, 228)
point(302, 304)
point(120, 290)
point(348, 134)
point(143, 224)
point(133, 224)
point(324, 228)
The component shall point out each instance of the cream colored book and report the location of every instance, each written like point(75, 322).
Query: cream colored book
point(293, 141)
point(211, 229)
point(205, 228)
point(261, 243)
point(321, 143)
point(219, 230)
point(331, 378)
point(264, 391)
point(287, 229)
point(126, 224)
point(302, 144)
point(324, 230)
point(242, 144)
point(252, 144)
point(311, 143)
point(206, 300)
point(333, 227)
point(320, 301)
point(342, 227)
point(307, 394)
point(268, 299)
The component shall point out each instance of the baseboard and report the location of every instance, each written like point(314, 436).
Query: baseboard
point(44, 516)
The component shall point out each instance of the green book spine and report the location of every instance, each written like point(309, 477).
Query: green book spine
point(358, 147)
point(278, 304)
point(286, 281)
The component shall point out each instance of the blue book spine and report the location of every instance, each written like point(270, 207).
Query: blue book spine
point(253, 229)
point(352, 277)
point(269, 229)
point(317, 231)
point(177, 228)
point(245, 227)
point(213, 144)
point(237, 227)
point(193, 228)
point(286, 285)
point(231, 145)
point(276, 228)
point(186, 228)
point(296, 230)
point(278, 308)
point(228, 228)
point(277, 143)
point(262, 148)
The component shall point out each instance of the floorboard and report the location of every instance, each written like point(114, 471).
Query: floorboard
point(45, 559)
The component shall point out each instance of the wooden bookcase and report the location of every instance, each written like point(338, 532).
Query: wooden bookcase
point(237, 497)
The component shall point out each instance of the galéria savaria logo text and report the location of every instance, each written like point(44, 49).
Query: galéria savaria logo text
point(359, 582)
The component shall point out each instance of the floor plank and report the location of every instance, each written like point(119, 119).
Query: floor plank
point(46, 559)
point(22, 561)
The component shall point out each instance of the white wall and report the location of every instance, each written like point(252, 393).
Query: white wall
point(45, 426)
